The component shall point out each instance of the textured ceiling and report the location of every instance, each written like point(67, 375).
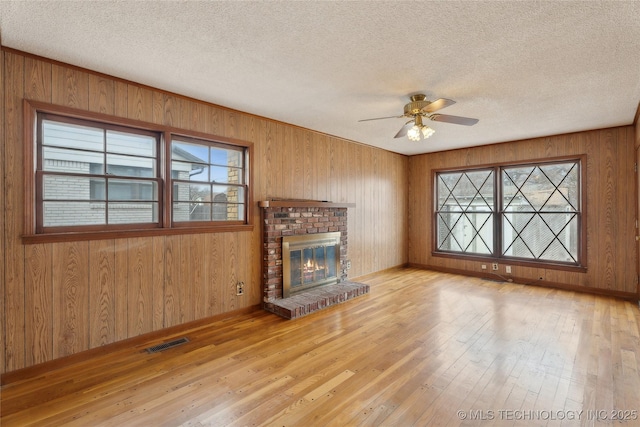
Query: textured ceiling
point(524, 69)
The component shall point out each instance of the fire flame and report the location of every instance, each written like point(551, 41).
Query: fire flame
point(311, 266)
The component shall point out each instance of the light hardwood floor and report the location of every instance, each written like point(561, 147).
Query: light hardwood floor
point(418, 349)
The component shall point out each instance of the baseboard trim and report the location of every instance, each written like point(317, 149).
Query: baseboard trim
point(138, 341)
point(630, 296)
point(374, 274)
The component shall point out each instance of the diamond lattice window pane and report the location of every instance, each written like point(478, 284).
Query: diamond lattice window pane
point(446, 237)
point(536, 189)
point(512, 198)
point(557, 252)
point(446, 183)
point(464, 191)
point(518, 248)
point(483, 199)
point(512, 242)
point(479, 236)
point(537, 235)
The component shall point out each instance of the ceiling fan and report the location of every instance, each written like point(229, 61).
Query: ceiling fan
point(420, 108)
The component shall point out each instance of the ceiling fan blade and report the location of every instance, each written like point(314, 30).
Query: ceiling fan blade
point(466, 121)
point(403, 131)
point(437, 105)
point(380, 118)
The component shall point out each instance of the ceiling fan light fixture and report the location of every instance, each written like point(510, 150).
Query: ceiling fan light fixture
point(419, 131)
point(414, 133)
point(427, 132)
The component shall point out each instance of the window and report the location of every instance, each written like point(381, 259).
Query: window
point(465, 212)
point(94, 176)
point(209, 181)
point(528, 212)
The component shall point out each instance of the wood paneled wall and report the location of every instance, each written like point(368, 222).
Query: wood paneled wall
point(2, 210)
point(637, 127)
point(610, 206)
point(63, 298)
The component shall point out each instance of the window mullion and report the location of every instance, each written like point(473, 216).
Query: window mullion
point(167, 193)
point(497, 212)
point(106, 174)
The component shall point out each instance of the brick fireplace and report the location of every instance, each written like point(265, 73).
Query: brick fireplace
point(304, 220)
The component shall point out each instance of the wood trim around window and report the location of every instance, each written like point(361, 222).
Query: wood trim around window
point(31, 109)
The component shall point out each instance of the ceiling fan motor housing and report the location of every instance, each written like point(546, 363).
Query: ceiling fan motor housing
point(418, 102)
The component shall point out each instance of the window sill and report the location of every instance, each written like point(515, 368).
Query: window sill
point(513, 262)
point(124, 234)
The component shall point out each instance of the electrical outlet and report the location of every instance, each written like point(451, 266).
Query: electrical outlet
point(349, 265)
point(484, 266)
point(494, 266)
point(240, 288)
point(507, 269)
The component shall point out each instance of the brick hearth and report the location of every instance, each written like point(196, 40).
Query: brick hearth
point(289, 218)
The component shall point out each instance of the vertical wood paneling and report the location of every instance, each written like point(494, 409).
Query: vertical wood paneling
point(70, 87)
point(365, 191)
point(287, 162)
point(250, 246)
point(297, 171)
point(214, 120)
point(186, 286)
point(102, 293)
point(606, 193)
point(158, 282)
point(308, 168)
point(198, 270)
point(624, 197)
point(14, 292)
point(250, 127)
point(121, 288)
point(230, 269)
point(99, 292)
point(171, 108)
point(70, 298)
point(139, 286)
point(355, 215)
point(197, 120)
point(187, 111)
point(232, 127)
point(140, 103)
point(320, 167)
point(334, 172)
point(102, 95)
point(2, 197)
point(172, 281)
point(157, 107)
point(271, 161)
point(122, 99)
point(402, 200)
point(214, 262)
point(39, 299)
point(37, 85)
point(375, 187)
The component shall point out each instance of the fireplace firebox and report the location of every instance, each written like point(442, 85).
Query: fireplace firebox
point(309, 261)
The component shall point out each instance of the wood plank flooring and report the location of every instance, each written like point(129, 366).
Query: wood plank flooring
point(423, 348)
